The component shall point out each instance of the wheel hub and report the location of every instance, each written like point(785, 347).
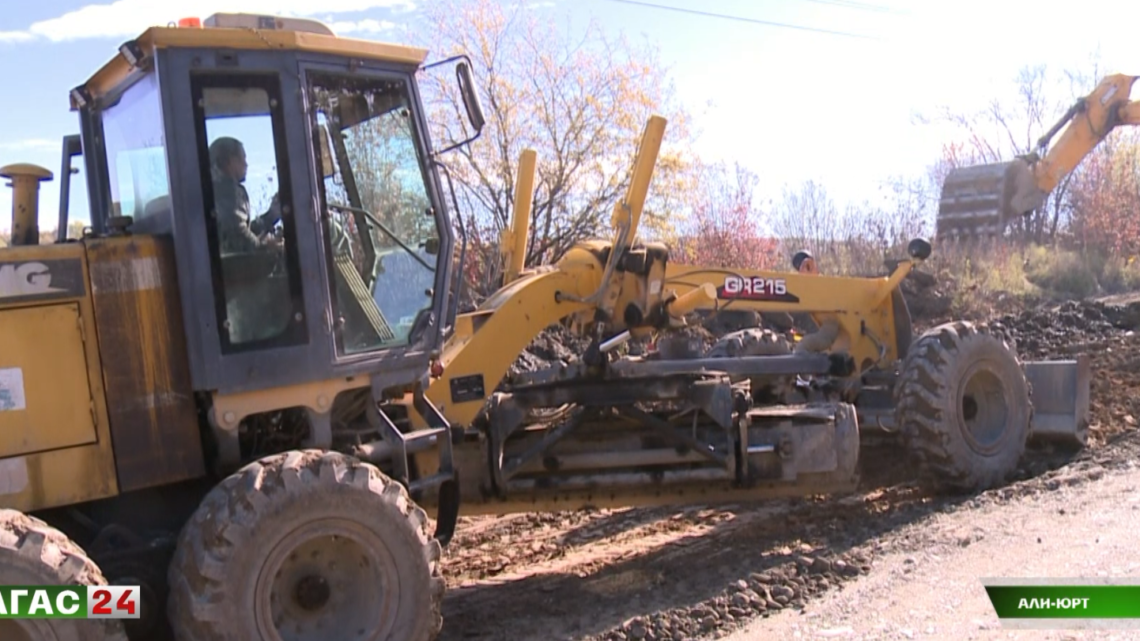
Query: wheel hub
point(312, 592)
point(984, 409)
point(327, 581)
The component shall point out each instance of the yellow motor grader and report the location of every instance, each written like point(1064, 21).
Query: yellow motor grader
point(245, 404)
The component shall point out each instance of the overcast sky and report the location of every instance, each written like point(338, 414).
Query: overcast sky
point(790, 104)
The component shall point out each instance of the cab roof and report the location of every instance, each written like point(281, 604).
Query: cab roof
point(286, 33)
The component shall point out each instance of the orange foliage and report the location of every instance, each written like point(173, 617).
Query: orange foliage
point(724, 228)
point(1106, 199)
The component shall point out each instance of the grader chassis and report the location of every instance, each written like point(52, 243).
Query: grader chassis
point(267, 478)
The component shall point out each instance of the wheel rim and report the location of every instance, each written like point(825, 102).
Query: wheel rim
point(984, 409)
point(330, 579)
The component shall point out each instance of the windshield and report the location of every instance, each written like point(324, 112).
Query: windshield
point(382, 234)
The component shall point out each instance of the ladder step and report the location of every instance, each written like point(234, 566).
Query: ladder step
point(424, 434)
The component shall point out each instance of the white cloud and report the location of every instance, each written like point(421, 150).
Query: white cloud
point(361, 26)
point(31, 144)
point(15, 36)
point(125, 18)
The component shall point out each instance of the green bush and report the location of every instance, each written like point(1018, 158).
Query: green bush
point(1062, 273)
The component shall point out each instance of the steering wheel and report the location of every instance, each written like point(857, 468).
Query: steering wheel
point(276, 232)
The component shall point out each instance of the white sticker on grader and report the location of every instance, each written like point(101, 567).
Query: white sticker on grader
point(11, 389)
point(13, 475)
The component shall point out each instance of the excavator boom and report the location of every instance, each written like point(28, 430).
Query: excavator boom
point(980, 200)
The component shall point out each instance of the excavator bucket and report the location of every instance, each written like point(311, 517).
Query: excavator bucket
point(1060, 401)
point(979, 201)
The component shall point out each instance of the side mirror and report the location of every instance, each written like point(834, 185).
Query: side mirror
point(431, 246)
point(470, 96)
point(919, 249)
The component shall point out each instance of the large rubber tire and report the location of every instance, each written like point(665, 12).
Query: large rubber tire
point(34, 553)
point(755, 341)
point(750, 341)
point(318, 543)
point(963, 405)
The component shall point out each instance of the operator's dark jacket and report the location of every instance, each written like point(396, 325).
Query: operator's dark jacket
point(236, 232)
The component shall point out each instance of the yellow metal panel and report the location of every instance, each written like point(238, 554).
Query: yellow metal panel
point(116, 70)
point(521, 311)
point(271, 39)
point(861, 305)
point(154, 420)
point(61, 477)
point(75, 474)
point(45, 399)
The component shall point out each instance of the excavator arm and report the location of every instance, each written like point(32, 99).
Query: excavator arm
point(980, 200)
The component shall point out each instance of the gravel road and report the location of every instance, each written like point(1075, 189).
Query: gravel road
point(926, 582)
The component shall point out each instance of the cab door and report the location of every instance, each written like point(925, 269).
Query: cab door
point(245, 228)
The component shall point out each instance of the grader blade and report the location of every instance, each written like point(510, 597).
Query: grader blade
point(1060, 401)
point(979, 201)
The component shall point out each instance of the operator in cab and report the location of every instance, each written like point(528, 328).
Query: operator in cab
point(257, 299)
point(236, 231)
point(804, 263)
point(827, 330)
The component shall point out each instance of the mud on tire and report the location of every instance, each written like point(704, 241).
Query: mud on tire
point(963, 405)
point(34, 553)
point(318, 543)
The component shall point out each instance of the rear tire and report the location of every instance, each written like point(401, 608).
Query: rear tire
point(963, 405)
point(318, 543)
point(34, 553)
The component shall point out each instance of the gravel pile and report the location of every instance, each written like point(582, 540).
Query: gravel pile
point(787, 586)
point(555, 344)
point(1059, 332)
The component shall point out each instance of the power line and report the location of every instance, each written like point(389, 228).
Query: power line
point(743, 19)
point(851, 4)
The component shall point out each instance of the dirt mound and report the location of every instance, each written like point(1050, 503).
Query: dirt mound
point(927, 296)
point(1115, 401)
point(1060, 331)
point(555, 344)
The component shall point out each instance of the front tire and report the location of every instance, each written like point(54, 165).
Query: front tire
point(306, 545)
point(963, 406)
point(34, 553)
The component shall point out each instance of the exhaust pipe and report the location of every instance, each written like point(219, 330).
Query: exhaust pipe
point(25, 186)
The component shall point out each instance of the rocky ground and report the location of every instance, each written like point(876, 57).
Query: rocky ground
point(704, 571)
point(1079, 521)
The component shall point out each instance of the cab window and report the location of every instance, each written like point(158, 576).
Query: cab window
point(249, 209)
point(136, 152)
point(381, 231)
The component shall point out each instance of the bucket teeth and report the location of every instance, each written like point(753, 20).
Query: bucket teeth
point(979, 201)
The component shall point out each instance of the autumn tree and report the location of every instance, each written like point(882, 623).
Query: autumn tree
point(806, 217)
point(725, 229)
point(1106, 197)
point(1104, 190)
point(579, 100)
